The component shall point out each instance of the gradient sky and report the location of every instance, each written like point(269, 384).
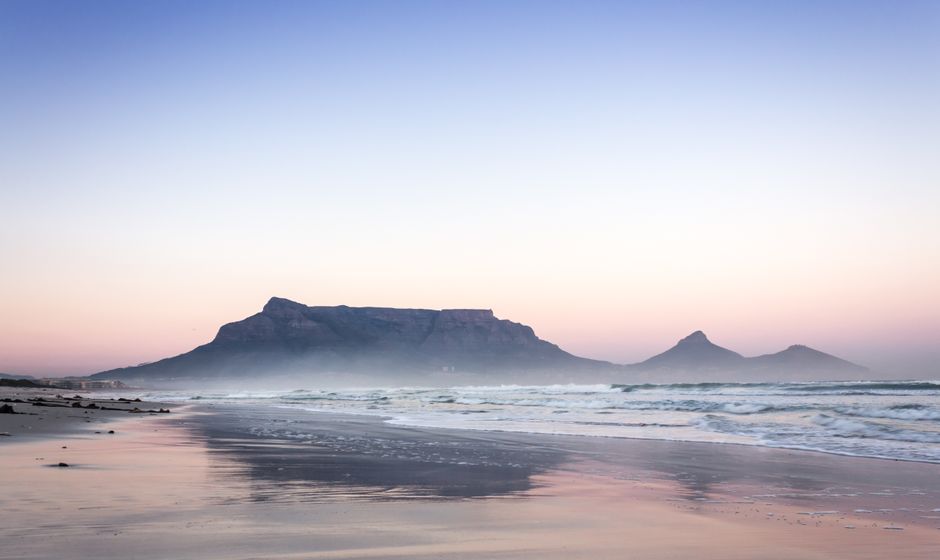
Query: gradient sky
point(615, 174)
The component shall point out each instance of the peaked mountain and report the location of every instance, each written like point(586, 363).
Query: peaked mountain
point(291, 344)
point(803, 358)
point(695, 357)
point(291, 339)
point(692, 353)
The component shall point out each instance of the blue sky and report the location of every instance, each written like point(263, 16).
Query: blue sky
point(615, 174)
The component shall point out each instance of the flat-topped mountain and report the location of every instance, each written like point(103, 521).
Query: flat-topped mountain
point(697, 358)
point(289, 338)
point(289, 343)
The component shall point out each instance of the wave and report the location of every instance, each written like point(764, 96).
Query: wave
point(896, 419)
point(547, 403)
point(688, 386)
point(870, 386)
point(808, 387)
point(762, 431)
point(668, 405)
point(734, 407)
point(842, 427)
point(569, 388)
point(898, 412)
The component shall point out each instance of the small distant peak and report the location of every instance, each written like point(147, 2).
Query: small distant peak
point(804, 350)
point(697, 336)
point(276, 303)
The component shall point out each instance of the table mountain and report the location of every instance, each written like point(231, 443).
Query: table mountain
point(291, 344)
point(291, 339)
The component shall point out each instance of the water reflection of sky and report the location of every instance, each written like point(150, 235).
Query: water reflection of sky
point(286, 455)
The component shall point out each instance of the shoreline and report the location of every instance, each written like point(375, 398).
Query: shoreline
point(749, 470)
point(387, 418)
point(634, 438)
point(243, 482)
point(42, 413)
point(856, 423)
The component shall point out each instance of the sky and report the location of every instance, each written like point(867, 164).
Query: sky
point(614, 174)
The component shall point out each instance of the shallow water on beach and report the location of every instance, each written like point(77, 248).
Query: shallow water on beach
point(896, 420)
point(240, 482)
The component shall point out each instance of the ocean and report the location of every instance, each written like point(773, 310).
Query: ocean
point(883, 419)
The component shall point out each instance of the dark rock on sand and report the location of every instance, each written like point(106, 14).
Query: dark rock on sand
point(49, 404)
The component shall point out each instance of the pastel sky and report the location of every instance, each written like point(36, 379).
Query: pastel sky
point(615, 174)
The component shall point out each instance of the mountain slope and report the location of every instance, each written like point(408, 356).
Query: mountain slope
point(697, 359)
point(15, 376)
point(799, 358)
point(289, 338)
point(693, 352)
point(342, 345)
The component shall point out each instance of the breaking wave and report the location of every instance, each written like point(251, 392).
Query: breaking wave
point(898, 412)
point(842, 427)
point(893, 419)
point(809, 387)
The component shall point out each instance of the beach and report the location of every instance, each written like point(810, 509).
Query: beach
point(53, 412)
point(489, 280)
point(240, 481)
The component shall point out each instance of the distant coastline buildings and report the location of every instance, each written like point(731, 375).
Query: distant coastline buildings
point(81, 383)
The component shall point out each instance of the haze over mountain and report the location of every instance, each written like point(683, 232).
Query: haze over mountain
point(288, 339)
point(14, 376)
point(696, 357)
point(692, 352)
point(291, 343)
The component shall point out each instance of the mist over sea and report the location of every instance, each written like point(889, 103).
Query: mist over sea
point(891, 419)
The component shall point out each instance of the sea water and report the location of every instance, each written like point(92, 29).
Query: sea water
point(886, 419)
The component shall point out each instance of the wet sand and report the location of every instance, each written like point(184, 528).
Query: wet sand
point(45, 412)
point(238, 482)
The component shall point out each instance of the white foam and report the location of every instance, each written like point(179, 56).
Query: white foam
point(844, 427)
point(744, 408)
point(883, 419)
point(896, 413)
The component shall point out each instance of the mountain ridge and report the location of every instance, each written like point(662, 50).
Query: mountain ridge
point(290, 336)
point(341, 342)
point(697, 354)
point(691, 352)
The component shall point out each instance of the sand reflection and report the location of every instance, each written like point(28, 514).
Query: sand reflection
point(322, 459)
point(201, 486)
